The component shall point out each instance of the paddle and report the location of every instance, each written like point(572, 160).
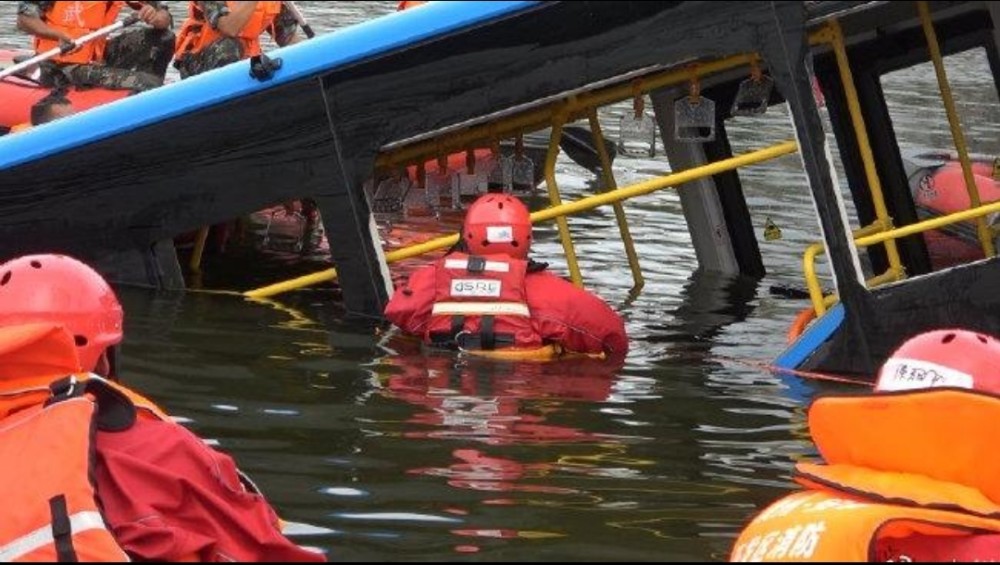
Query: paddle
point(578, 144)
point(306, 28)
point(67, 47)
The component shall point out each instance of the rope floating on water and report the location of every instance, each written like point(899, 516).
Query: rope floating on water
point(771, 368)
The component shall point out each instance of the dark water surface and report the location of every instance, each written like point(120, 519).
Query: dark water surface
point(388, 454)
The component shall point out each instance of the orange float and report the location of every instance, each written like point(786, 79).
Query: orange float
point(20, 94)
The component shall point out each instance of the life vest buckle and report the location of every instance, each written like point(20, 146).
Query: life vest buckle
point(63, 388)
point(115, 411)
point(476, 264)
point(459, 340)
point(468, 342)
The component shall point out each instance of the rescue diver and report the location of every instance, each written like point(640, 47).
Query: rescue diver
point(487, 295)
point(911, 472)
point(95, 471)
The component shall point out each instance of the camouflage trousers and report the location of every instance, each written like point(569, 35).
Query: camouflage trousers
point(135, 60)
point(217, 54)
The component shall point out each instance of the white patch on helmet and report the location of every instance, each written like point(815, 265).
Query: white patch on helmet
point(912, 374)
point(499, 234)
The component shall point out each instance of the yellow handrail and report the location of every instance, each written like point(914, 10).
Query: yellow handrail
point(555, 199)
point(831, 299)
point(808, 259)
point(871, 228)
point(809, 266)
point(864, 146)
point(812, 280)
point(880, 279)
point(199, 249)
point(608, 177)
point(833, 34)
point(930, 224)
point(567, 208)
point(985, 237)
point(540, 118)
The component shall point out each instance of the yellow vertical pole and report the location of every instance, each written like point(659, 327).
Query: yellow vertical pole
point(985, 236)
point(812, 280)
point(864, 146)
point(555, 199)
point(199, 249)
point(610, 185)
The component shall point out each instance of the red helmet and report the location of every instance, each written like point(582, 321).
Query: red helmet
point(498, 223)
point(62, 290)
point(952, 358)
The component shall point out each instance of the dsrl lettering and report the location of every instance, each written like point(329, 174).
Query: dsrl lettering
point(470, 287)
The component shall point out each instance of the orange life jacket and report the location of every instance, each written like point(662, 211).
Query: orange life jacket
point(914, 463)
point(827, 527)
point(47, 425)
point(480, 303)
point(196, 34)
point(33, 356)
point(54, 515)
point(405, 4)
point(77, 19)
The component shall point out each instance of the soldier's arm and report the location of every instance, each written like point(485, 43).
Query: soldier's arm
point(29, 20)
point(284, 29)
point(229, 22)
point(154, 13)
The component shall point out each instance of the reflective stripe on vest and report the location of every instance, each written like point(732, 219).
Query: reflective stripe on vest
point(483, 300)
point(45, 482)
point(480, 309)
point(79, 523)
point(196, 33)
point(77, 19)
point(494, 266)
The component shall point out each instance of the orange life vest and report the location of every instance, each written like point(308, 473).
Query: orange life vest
point(47, 425)
point(196, 34)
point(36, 355)
point(77, 19)
point(405, 4)
point(480, 303)
point(47, 453)
point(915, 463)
point(827, 527)
point(144, 406)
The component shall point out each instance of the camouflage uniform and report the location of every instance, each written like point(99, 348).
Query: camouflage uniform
point(135, 59)
point(228, 49)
